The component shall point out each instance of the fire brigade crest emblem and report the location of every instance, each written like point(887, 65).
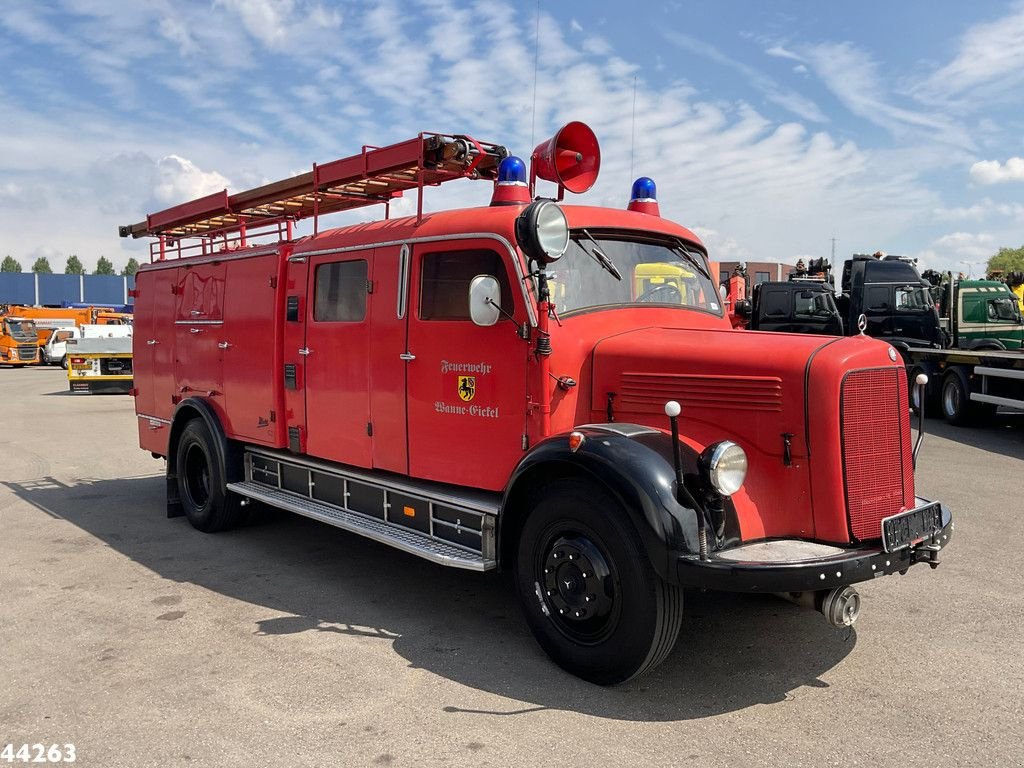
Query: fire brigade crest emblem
point(467, 387)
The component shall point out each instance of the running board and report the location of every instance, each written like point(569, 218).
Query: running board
point(399, 537)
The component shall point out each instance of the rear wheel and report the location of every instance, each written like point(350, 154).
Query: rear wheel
point(588, 590)
point(957, 406)
point(64, 362)
point(201, 487)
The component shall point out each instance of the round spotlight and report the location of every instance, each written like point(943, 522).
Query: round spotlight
point(543, 231)
point(725, 464)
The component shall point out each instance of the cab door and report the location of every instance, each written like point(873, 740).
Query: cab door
point(336, 353)
point(466, 385)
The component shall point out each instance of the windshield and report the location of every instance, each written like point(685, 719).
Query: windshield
point(19, 327)
point(814, 303)
point(913, 298)
point(1003, 310)
point(664, 272)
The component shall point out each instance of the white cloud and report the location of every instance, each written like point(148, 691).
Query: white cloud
point(990, 57)
point(178, 180)
point(787, 99)
point(980, 211)
point(575, 26)
point(779, 52)
point(994, 172)
point(853, 75)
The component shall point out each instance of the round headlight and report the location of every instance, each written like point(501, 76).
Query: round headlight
point(543, 231)
point(726, 466)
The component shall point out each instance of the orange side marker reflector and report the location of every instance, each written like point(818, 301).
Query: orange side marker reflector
point(409, 511)
point(575, 441)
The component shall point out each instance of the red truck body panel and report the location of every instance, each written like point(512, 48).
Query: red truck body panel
point(472, 399)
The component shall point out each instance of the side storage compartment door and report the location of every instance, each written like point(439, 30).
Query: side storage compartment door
point(197, 326)
point(153, 354)
point(249, 348)
point(337, 358)
point(466, 384)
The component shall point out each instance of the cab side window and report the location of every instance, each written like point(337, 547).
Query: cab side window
point(445, 279)
point(340, 292)
point(776, 304)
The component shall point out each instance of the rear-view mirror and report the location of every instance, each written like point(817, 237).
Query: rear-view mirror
point(484, 300)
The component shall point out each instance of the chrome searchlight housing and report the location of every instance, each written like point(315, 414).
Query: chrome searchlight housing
point(543, 231)
point(725, 464)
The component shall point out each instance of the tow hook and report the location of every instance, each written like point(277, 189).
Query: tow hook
point(928, 553)
point(839, 606)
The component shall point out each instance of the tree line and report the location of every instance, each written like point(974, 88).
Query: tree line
point(73, 266)
point(1006, 261)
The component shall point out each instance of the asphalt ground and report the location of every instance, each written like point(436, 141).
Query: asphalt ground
point(144, 642)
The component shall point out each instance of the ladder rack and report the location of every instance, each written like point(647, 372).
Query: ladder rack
point(376, 175)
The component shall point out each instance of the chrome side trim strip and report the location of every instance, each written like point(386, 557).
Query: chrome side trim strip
point(405, 539)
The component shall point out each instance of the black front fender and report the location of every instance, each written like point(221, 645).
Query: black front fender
point(634, 464)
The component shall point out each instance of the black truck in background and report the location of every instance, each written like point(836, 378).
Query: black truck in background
point(893, 298)
point(973, 366)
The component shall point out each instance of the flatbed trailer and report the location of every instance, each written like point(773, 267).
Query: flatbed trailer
point(967, 386)
point(101, 365)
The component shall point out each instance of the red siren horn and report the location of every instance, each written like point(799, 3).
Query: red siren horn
point(571, 158)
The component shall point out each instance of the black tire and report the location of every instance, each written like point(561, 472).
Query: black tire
point(43, 360)
point(957, 406)
point(201, 487)
point(64, 362)
point(634, 615)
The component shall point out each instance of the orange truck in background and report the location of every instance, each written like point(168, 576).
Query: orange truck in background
point(45, 319)
point(18, 342)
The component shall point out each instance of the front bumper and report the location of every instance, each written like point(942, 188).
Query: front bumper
point(798, 566)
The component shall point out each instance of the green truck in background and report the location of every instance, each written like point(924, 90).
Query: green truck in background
point(980, 315)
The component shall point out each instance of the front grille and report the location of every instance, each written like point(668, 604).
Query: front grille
point(876, 448)
point(115, 366)
point(27, 352)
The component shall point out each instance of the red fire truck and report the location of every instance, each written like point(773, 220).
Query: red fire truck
point(529, 385)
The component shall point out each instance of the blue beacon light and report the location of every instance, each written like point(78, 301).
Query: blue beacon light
point(644, 198)
point(511, 187)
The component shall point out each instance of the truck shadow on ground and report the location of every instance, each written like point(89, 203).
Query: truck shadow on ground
point(734, 651)
point(1002, 436)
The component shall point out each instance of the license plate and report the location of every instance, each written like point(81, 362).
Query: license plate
point(81, 367)
point(911, 527)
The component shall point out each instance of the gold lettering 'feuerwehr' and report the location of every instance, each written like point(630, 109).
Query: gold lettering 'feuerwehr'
point(479, 368)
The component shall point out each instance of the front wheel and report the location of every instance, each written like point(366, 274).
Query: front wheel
point(588, 590)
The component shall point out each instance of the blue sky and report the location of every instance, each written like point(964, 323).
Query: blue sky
point(770, 128)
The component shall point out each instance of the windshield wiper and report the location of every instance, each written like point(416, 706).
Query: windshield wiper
point(599, 256)
point(694, 262)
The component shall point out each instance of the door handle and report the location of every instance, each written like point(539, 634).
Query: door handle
point(305, 351)
point(195, 330)
point(223, 344)
point(151, 342)
point(407, 356)
point(196, 312)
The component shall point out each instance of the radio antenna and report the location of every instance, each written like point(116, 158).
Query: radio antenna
point(632, 136)
point(536, 58)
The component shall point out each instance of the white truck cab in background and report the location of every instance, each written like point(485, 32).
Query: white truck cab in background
point(54, 352)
